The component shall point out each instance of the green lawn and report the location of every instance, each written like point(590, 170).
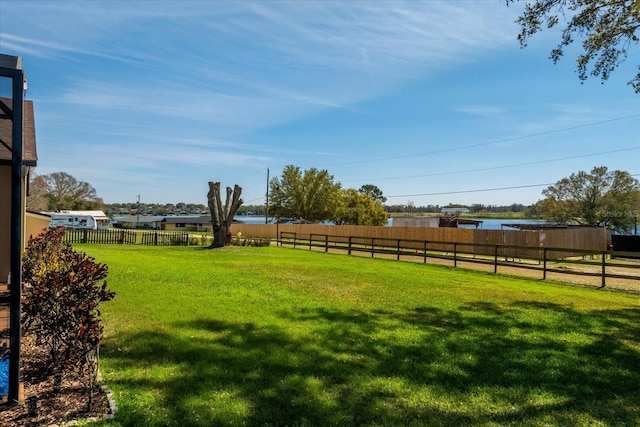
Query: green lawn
point(276, 336)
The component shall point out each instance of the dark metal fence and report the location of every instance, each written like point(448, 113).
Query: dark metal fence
point(597, 264)
point(126, 237)
point(165, 239)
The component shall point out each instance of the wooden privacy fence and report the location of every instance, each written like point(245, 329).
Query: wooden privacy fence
point(513, 241)
point(126, 237)
point(529, 258)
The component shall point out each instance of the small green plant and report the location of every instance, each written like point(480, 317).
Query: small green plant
point(63, 289)
point(250, 241)
point(178, 240)
point(199, 240)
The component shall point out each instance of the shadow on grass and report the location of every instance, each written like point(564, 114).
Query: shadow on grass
point(481, 364)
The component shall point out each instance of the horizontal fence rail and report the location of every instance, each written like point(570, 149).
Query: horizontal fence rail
point(590, 238)
point(546, 260)
point(125, 237)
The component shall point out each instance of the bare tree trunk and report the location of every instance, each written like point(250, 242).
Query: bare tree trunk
point(222, 217)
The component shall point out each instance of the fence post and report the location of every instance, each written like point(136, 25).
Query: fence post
point(310, 239)
point(122, 237)
point(326, 243)
point(604, 265)
point(425, 252)
point(398, 250)
point(295, 236)
point(544, 264)
point(349, 249)
point(455, 254)
point(495, 259)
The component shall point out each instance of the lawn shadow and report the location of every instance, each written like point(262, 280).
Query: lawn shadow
point(423, 366)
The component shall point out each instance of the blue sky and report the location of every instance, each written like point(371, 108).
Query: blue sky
point(433, 102)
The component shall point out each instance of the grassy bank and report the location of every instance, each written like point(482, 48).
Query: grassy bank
point(274, 336)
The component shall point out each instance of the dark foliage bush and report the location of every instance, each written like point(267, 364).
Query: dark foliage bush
point(62, 291)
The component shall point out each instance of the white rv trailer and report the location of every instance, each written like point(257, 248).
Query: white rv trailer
point(87, 220)
point(75, 221)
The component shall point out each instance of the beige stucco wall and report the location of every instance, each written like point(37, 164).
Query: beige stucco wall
point(34, 225)
point(5, 222)
point(188, 227)
point(5, 247)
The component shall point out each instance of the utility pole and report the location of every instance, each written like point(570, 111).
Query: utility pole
point(138, 212)
point(266, 208)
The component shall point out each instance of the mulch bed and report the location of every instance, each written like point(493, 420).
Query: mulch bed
point(54, 408)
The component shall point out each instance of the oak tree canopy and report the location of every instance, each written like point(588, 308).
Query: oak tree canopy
point(600, 198)
point(311, 195)
point(606, 28)
point(61, 191)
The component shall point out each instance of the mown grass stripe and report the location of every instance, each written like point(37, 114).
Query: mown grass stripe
point(257, 336)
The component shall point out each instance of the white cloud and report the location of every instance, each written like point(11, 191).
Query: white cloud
point(280, 60)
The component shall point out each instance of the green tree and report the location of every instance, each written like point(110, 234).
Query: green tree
point(374, 192)
point(37, 200)
point(477, 207)
point(606, 28)
point(62, 191)
point(357, 208)
point(600, 198)
point(312, 195)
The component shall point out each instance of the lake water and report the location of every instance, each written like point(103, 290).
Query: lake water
point(487, 223)
point(497, 224)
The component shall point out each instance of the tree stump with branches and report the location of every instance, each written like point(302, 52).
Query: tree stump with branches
point(222, 216)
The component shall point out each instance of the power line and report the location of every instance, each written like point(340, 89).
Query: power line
point(515, 187)
point(481, 190)
point(498, 167)
point(473, 191)
point(482, 144)
point(253, 200)
point(487, 168)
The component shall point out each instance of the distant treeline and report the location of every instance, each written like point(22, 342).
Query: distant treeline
point(474, 208)
point(155, 209)
point(158, 209)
